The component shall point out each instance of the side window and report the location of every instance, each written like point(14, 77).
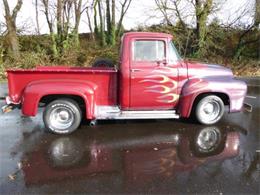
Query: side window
point(148, 50)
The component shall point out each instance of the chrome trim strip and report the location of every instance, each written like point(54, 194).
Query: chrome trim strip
point(113, 112)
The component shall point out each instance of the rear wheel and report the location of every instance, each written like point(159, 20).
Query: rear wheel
point(209, 110)
point(66, 152)
point(62, 116)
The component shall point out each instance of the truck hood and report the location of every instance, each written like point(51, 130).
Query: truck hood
point(199, 70)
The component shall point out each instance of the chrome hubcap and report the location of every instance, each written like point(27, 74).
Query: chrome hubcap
point(207, 139)
point(61, 118)
point(209, 108)
point(210, 111)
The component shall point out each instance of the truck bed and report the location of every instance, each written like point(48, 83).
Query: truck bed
point(104, 78)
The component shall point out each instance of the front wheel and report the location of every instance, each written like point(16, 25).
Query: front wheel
point(207, 140)
point(62, 116)
point(209, 110)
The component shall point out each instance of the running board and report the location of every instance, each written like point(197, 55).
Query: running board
point(148, 114)
point(116, 113)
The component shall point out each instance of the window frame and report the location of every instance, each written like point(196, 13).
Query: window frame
point(144, 62)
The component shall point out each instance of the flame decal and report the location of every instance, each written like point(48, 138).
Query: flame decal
point(164, 79)
point(164, 85)
point(159, 89)
point(166, 70)
point(173, 98)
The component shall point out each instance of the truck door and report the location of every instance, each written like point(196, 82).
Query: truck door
point(154, 78)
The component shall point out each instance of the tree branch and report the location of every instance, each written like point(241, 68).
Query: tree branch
point(17, 9)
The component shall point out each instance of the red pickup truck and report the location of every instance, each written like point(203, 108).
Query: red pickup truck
point(152, 81)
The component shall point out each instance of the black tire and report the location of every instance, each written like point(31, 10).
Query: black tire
point(209, 110)
point(103, 62)
point(62, 116)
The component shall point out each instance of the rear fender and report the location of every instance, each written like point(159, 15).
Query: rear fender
point(234, 89)
point(35, 90)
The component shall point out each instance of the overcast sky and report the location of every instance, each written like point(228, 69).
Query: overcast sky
point(141, 12)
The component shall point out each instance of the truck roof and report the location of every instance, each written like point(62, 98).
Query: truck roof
point(147, 34)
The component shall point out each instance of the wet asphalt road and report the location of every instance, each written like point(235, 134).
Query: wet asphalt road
point(146, 156)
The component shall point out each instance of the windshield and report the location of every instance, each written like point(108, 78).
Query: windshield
point(173, 54)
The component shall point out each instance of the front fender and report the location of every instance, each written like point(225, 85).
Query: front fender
point(234, 89)
point(35, 90)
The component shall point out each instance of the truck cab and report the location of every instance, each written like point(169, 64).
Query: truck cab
point(152, 81)
point(149, 72)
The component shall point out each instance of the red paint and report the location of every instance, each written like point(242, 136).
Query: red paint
point(157, 85)
point(38, 89)
point(95, 86)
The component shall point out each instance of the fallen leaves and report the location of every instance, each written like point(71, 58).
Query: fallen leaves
point(13, 176)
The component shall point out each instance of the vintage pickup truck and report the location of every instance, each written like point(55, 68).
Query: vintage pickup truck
point(152, 81)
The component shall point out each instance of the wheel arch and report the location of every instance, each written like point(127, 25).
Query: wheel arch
point(191, 102)
point(223, 96)
point(77, 98)
point(45, 92)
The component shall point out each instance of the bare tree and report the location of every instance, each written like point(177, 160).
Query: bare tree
point(59, 22)
point(113, 22)
point(49, 20)
point(98, 21)
point(252, 28)
point(96, 30)
point(11, 36)
point(202, 10)
point(124, 8)
point(101, 20)
point(78, 11)
point(199, 9)
point(104, 19)
point(172, 11)
point(163, 7)
point(110, 20)
point(63, 19)
point(66, 24)
point(257, 13)
point(89, 23)
point(37, 16)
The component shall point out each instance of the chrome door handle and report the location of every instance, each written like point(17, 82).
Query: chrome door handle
point(136, 70)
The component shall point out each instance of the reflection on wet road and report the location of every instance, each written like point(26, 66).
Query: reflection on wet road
point(148, 156)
